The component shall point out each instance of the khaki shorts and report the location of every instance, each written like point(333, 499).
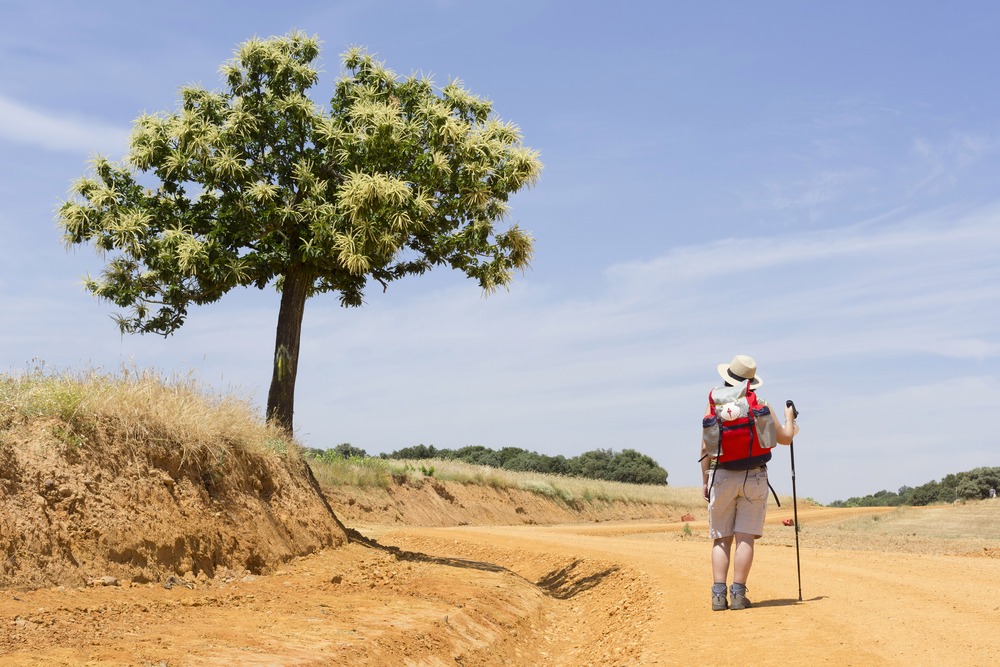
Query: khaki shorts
point(737, 502)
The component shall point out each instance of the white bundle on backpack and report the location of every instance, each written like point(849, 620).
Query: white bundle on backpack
point(730, 403)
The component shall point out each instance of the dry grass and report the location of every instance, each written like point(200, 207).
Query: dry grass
point(353, 472)
point(971, 520)
point(567, 489)
point(144, 410)
point(141, 408)
point(374, 472)
point(970, 528)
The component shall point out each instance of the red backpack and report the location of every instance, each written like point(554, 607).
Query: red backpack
point(738, 432)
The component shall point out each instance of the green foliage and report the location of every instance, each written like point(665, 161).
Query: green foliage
point(971, 485)
point(627, 466)
point(416, 452)
point(479, 455)
point(259, 185)
point(977, 483)
point(531, 461)
point(254, 179)
point(347, 450)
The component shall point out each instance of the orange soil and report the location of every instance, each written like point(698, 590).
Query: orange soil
point(594, 593)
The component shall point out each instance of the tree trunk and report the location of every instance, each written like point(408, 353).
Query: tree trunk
point(281, 397)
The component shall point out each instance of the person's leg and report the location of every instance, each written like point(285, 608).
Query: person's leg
point(720, 570)
point(749, 525)
point(721, 516)
point(742, 561)
point(720, 559)
point(743, 558)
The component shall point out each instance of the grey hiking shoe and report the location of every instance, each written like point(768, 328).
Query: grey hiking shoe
point(719, 602)
point(740, 601)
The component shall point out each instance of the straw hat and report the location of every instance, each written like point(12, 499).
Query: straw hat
point(740, 369)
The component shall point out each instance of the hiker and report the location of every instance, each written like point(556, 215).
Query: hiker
point(738, 432)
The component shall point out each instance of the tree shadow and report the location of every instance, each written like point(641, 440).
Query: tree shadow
point(415, 556)
point(562, 584)
point(357, 538)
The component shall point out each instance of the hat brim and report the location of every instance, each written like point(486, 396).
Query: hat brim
point(724, 374)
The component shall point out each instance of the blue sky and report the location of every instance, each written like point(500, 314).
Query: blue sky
point(813, 184)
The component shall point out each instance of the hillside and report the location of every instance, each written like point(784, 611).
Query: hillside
point(463, 494)
point(138, 481)
point(72, 515)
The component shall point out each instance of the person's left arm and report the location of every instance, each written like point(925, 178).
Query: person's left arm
point(705, 461)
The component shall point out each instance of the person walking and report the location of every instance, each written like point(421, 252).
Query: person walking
point(738, 432)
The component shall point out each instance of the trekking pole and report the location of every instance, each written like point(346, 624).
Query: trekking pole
point(795, 503)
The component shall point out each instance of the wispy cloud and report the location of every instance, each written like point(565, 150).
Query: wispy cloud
point(971, 232)
point(943, 162)
point(809, 194)
point(61, 132)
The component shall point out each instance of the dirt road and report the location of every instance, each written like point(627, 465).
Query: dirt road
point(597, 594)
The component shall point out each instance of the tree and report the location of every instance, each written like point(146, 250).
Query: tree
point(346, 450)
point(258, 185)
point(636, 468)
point(594, 464)
point(528, 462)
point(479, 455)
point(976, 483)
point(967, 489)
point(415, 452)
point(925, 494)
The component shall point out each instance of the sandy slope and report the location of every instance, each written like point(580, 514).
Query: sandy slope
point(878, 589)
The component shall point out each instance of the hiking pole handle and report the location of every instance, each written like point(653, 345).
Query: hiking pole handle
point(791, 404)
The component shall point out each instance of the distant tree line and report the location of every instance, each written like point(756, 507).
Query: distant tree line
point(972, 485)
point(344, 450)
point(627, 465)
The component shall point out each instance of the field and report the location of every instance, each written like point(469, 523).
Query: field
point(142, 523)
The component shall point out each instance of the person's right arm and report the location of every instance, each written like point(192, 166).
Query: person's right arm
point(787, 430)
